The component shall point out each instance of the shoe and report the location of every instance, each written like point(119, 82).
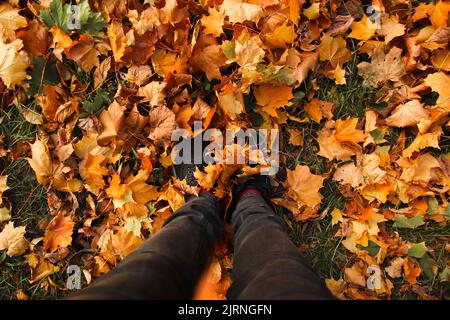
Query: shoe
point(257, 182)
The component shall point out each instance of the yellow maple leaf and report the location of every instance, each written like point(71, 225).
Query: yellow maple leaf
point(41, 161)
point(208, 178)
point(440, 83)
point(213, 23)
point(10, 21)
point(239, 11)
point(303, 186)
point(14, 63)
point(272, 97)
point(363, 30)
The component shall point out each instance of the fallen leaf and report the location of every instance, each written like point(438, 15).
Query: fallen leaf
point(58, 233)
point(12, 239)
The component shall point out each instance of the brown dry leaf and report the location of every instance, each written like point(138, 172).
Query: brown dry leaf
point(40, 268)
point(116, 39)
point(423, 141)
point(337, 287)
point(333, 50)
point(355, 275)
point(231, 100)
point(349, 174)
point(41, 161)
point(10, 21)
point(383, 67)
point(407, 114)
point(3, 186)
point(440, 83)
point(112, 120)
point(14, 63)
point(391, 28)
point(35, 38)
point(58, 233)
point(162, 124)
point(303, 186)
point(84, 53)
point(208, 178)
point(295, 137)
point(240, 11)
point(395, 268)
point(12, 239)
point(208, 57)
point(153, 93)
point(213, 22)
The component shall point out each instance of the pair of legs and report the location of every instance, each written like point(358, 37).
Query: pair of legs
point(267, 265)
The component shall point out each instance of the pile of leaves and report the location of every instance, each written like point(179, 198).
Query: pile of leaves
point(107, 91)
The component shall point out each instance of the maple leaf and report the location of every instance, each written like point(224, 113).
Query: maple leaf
point(295, 137)
point(208, 57)
point(162, 124)
point(12, 239)
point(35, 38)
point(422, 141)
point(395, 268)
point(92, 171)
point(10, 21)
point(408, 114)
point(119, 192)
point(14, 63)
point(112, 120)
point(213, 23)
point(248, 52)
point(141, 191)
point(58, 233)
point(231, 100)
point(333, 50)
point(153, 92)
point(117, 39)
point(240, 11)
point(208, 178)
point(273, 97)
point(84, 53)
point(363, 30)
point(41, 161)
point(440, 83)
point(40, 268)
point(317, 109)
point(349, 174)
point(383, 67)
point(391, 28)
point(303, 186)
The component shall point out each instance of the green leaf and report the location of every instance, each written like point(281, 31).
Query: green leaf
point(444, 275)
point(428, 267)
point(447, 213)
point(59, 14)
point(42, 72)
point(418, 250)
point(409, 223)
point(372, 248)
point(433, 206)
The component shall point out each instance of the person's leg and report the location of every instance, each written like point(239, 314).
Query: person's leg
point(267, 265)
point(168, 265)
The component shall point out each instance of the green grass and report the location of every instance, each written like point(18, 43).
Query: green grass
point(28, 202)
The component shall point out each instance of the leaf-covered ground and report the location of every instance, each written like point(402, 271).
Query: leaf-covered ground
point(360, 91)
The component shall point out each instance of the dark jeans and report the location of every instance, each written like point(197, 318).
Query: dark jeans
point(267, 265)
